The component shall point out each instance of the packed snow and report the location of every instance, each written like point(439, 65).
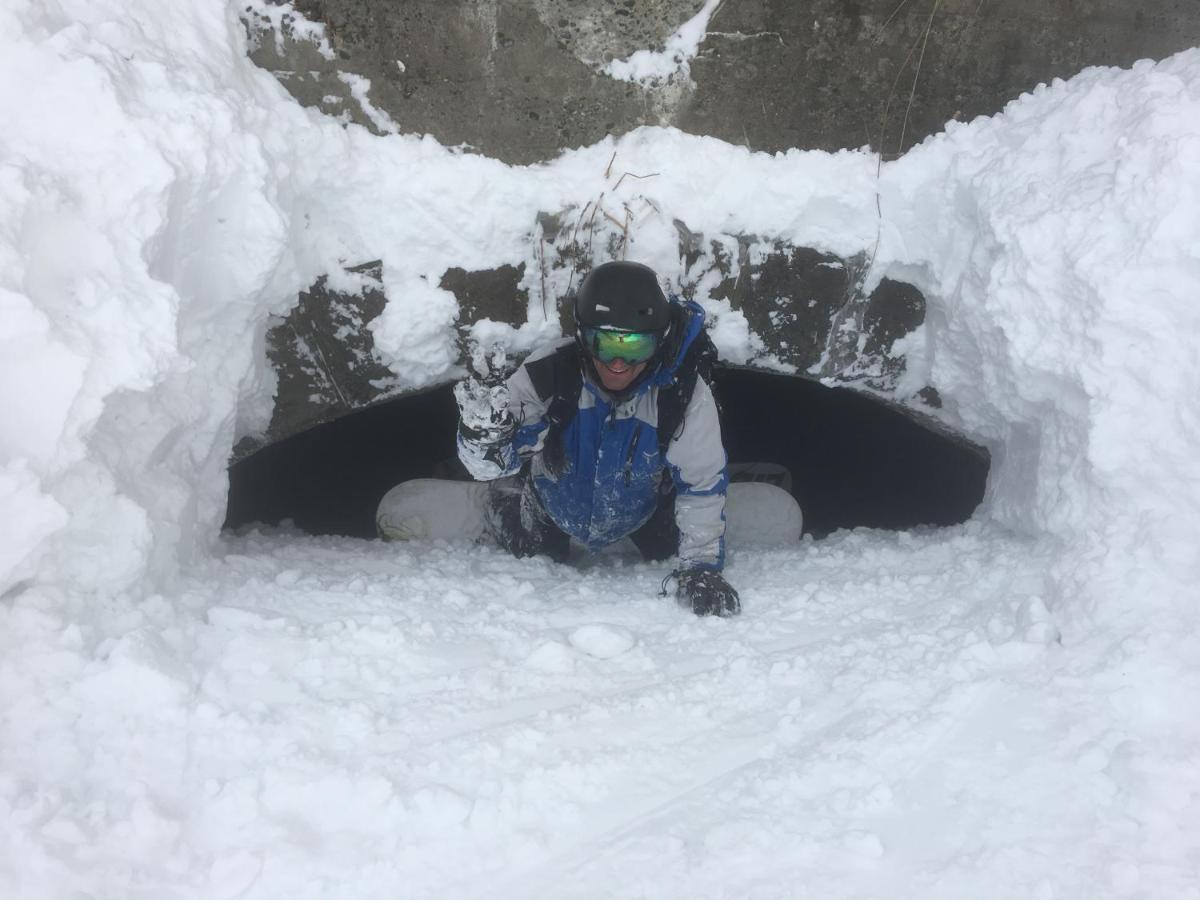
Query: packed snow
point(1003, 709)
point(653, 67)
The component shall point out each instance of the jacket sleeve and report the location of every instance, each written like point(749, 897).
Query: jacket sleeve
point(529, 411)
point(696, 459)
point(488, 459)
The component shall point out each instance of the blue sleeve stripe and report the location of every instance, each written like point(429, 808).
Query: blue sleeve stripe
point(527, 435)
point(719, 565)
point(683, 487)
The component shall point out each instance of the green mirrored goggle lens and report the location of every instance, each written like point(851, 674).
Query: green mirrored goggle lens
point(632, 346)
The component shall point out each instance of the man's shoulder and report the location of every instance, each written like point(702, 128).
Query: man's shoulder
point(548, 350)
point(539, 367)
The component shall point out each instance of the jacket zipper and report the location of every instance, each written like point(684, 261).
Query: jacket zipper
point(633, 445)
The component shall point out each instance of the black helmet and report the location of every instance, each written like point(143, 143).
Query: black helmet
point(622, 295)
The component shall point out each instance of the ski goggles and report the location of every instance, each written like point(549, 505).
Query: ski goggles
point(632, 346)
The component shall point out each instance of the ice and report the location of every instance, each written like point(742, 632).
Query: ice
point(1006, 708)
point(415, 330)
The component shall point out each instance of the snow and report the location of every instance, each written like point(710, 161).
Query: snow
point(322, 717)
point(283, 20)
point(602, 641)
point(415, 332)
point(1004, 709)
point(653, 67)
point(360, 90)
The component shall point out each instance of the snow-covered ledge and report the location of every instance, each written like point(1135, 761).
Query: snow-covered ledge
point(774, 307)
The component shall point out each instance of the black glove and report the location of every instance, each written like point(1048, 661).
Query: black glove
point(706, 593)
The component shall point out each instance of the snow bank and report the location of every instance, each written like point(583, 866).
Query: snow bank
point(161, 197)
point(140, 228)
point(1057, 242)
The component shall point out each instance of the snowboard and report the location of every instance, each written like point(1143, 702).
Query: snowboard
point(428, 509)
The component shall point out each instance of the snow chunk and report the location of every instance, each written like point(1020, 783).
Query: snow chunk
point(653, 67)
point(730, 331)
point(531, 335)
point(602, 641)
point(414, 334)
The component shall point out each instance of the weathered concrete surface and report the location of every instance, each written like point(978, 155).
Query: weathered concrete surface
point(828, 74)
point(521, 79)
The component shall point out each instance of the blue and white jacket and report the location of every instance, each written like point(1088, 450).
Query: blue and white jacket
point(614, 466)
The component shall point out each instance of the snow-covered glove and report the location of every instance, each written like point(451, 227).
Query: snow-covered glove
point(706, 593)
point(483, 411)
point(486, 427)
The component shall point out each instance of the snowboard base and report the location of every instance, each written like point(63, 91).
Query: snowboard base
point(430, 509)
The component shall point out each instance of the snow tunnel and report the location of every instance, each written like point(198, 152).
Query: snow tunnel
point(852, 461)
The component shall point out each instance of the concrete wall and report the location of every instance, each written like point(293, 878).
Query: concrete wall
point(520, 79)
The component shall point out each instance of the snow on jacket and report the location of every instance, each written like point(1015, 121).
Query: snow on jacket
point(614, 465)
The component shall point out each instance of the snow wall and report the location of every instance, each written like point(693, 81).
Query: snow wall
point(160, 197)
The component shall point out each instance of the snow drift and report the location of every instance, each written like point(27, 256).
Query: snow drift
point(1055, 238)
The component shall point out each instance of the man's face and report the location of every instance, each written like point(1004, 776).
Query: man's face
point(620, 357)
point(618, 374)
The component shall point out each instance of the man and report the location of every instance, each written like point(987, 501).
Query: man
point(614, 436)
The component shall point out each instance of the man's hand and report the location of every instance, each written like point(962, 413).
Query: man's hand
point(706, 593)
point(486, 427)
point(483, 411)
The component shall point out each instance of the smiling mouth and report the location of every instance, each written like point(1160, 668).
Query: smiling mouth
point(617, 372)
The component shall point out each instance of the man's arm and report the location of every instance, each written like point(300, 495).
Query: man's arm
point(696, 458)
point(499, 426)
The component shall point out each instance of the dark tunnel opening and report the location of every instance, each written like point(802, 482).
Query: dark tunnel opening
point(854, 461)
